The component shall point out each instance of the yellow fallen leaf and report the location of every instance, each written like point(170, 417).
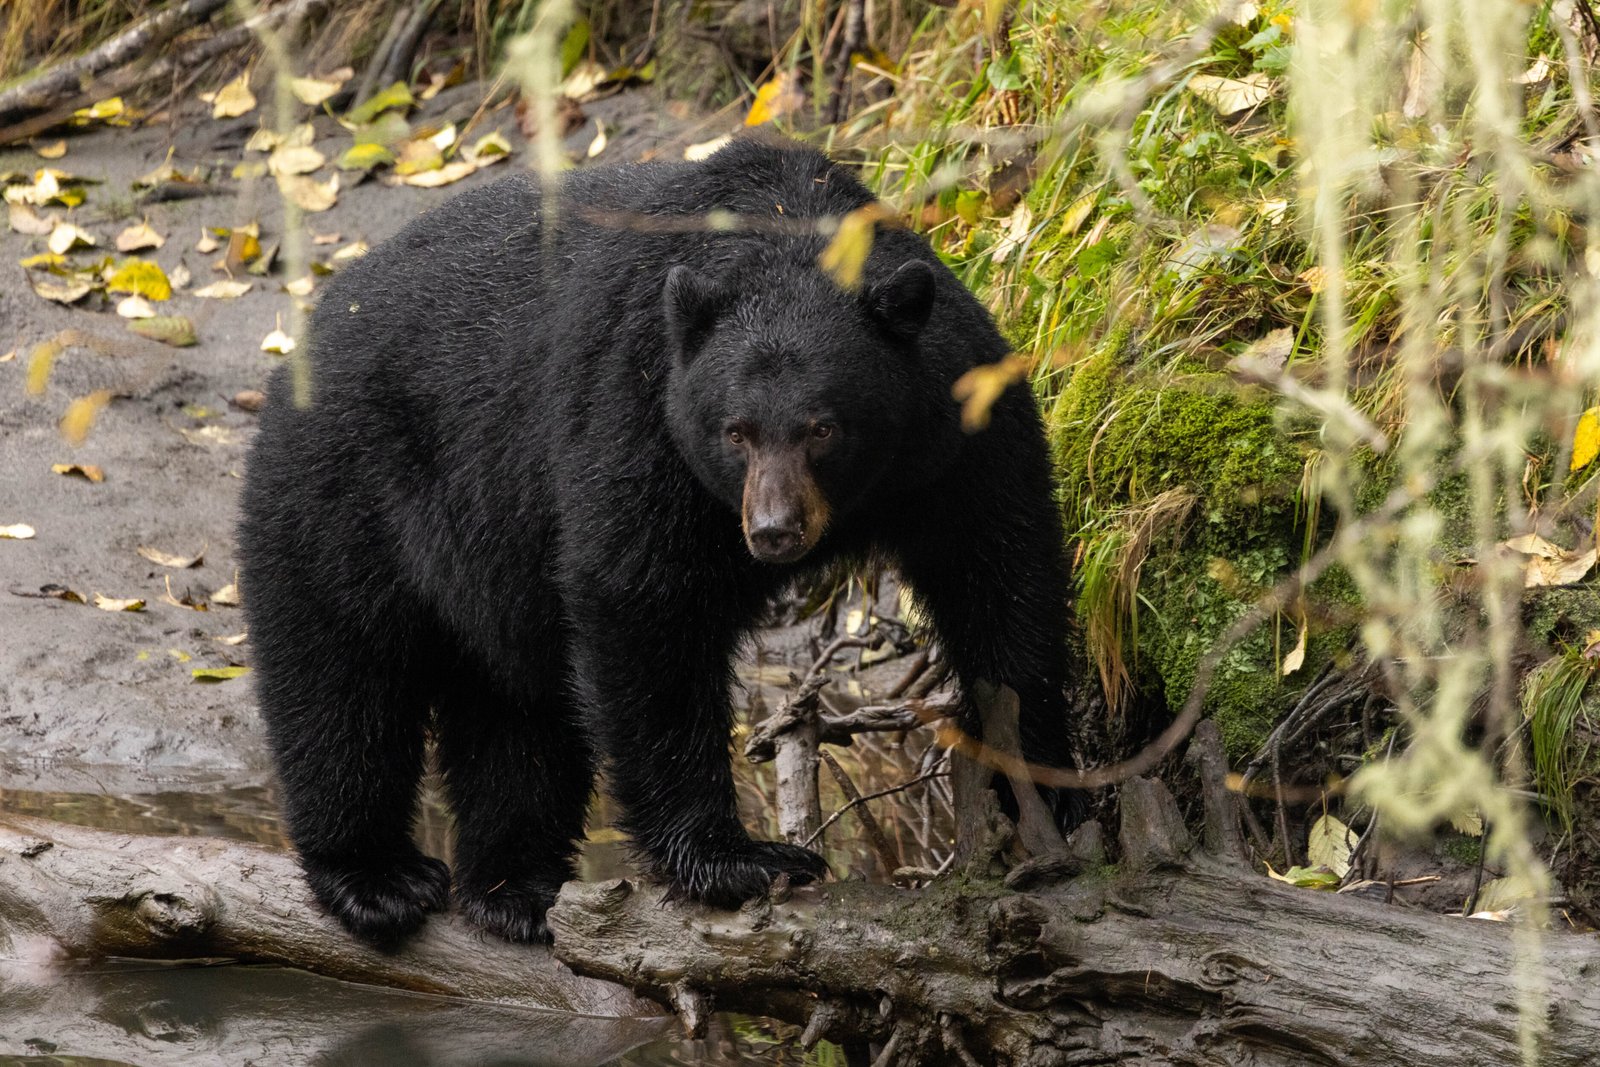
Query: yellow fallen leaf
point(185, 601)
point(419, 156)
point(1586, 440)
point(40, 360)
point(244, 247)
point(227, 596)
point(489, 146)
point(105, 603)
point(233, 639)
point(1549, 564)
point(980, 387)
point(1019, 227)
point(1297, 658)
point(78, 419)
point(225, 289)
point(167, 559)
point(138, 237)
point(292, 159)
point(698, 153)
point(1330, 845)
point(135, 307)
point(208, 436)
point(141, 278)
point(65, 237)
point(308, 194)
point(1232, 96)
point(233, 99)
point(61, 292)
point(17, 531)
point(87, 471)
point(263, 140)
point(207, 244)
point(445, 175)
point(1306, 877)
point(110, 108)
point(277, 342)
point(167, 174)
point(218, 674)
point(300, 286)
point(26, 221)
point(174, 330)
point(779, 97)
point(315, 91)
point(597, 145)
point(364, 156)
point(353, 250)
point(53, 150)
point(397, 95)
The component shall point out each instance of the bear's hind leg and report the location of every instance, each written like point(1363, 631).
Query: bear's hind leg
point(519, 775)
point(348, 737)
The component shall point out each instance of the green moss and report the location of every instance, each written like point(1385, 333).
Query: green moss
point(1560, 616)
point(1463, 849)
point(1124, 432)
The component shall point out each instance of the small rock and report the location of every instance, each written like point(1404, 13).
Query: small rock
point(249, 399)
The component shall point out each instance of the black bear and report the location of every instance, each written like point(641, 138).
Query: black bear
point(559, 455)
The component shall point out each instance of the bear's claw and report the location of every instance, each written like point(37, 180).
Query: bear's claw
point(516, 914)
point(726, 877)
point(380, 901)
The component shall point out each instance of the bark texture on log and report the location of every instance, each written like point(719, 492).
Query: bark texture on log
point(70, 892)
point(1194, 962)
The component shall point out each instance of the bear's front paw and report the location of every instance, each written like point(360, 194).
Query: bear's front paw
point(380, 901)
point(727, 876)
point(514, 912)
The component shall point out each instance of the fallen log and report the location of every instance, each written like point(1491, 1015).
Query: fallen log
point(148, 70)
point(1193, 961)
point(71, 893)
point(48, 88)
point(1174, 957)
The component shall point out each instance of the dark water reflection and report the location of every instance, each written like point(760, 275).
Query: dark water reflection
point(156, 1015)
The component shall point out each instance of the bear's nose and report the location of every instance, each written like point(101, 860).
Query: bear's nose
point(777, 542)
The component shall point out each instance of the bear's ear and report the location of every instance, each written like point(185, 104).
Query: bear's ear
point(904, 299)
point(692, 303)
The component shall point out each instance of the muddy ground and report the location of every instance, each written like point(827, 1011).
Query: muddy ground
point(108, 698)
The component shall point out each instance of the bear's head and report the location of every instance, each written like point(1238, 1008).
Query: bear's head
point(789, 396)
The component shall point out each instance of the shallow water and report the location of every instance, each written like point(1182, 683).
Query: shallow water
point(155, 1014)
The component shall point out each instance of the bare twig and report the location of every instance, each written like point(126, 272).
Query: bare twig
point(875, 834)
point(863, 798)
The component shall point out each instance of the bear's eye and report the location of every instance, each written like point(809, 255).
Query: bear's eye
point(736, 435)
point(822, 430)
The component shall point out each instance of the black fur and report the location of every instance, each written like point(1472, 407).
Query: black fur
point(512, 501)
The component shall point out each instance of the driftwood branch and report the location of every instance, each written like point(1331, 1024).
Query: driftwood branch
point(68, 892)
point(135, 74)
point(1172, 958)
point(1190, 961)
point(50, 87)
